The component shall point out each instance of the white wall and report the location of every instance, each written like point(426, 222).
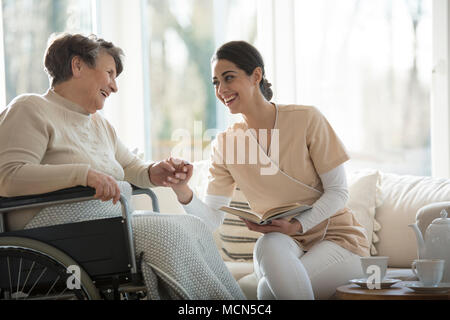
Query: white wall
point(440, 100)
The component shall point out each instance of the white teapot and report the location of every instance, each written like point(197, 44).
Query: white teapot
point(436, 242)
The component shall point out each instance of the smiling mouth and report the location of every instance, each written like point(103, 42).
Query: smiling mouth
point(104, 93)
point(228, 101)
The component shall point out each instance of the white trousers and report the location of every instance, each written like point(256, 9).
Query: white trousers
point(284, 271)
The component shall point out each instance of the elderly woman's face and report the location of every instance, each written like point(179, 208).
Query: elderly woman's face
point(99, 82)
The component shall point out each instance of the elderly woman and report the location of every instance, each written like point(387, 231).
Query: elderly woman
point(58, 140)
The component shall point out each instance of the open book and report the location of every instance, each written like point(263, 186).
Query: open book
point(288, 210)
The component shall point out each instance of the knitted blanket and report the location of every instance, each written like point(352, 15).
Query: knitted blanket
point(180, 258)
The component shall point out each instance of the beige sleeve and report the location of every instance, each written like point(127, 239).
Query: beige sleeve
point(221, 182)
point(136, 170)
point(325, 148)
point(24, 135)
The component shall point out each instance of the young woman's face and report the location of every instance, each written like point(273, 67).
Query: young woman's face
point(233, 87)
point(100, 82)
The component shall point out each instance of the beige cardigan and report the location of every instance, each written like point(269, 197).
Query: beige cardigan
point(49, 143)
point(306, 146)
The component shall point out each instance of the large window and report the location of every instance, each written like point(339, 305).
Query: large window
point(27, 24)
point(183, 36)
point(367, 65)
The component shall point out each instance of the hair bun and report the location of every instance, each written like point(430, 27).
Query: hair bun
point(267, 92)
point(266, 84)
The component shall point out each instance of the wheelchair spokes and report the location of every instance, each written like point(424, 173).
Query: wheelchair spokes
point(28, 275)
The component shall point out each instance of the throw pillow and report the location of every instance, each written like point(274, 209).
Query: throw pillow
point(364, 197)
point(237, 241)
point(403, 196)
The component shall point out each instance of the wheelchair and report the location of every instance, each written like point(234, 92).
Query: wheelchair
point(87, 260)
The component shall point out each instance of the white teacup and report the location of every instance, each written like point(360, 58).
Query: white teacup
point(429, 271)
point(374, 266)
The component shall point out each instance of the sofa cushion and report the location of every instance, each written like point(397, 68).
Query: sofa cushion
point(249, 285)
point(364, 197)
point(403, 196)
point(239, 269)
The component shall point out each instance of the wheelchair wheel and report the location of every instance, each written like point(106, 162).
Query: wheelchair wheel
point(33, 270)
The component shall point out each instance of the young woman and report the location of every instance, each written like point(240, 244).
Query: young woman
point(310, 255)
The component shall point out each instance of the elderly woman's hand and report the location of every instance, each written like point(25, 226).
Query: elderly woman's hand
point(170, 172)
point(106, 187)
point(179, 178)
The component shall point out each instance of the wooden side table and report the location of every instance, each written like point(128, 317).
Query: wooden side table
point(396, 292)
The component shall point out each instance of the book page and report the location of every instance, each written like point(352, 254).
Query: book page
point(275, 213)
point(271, 212)
point(249, 215)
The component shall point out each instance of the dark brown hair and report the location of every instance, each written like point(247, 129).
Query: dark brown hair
point(245, 57)
point(63, 47)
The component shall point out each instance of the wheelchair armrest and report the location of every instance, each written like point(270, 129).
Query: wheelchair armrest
point(150, 193)
point(72, 195)
point(75, 193)
point(46, 198)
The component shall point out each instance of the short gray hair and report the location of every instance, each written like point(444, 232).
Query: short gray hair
point(62, 48)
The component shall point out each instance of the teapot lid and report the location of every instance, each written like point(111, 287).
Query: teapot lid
point(443, 220)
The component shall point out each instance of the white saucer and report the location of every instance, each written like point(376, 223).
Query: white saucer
point(417, 286)
point(386, 283)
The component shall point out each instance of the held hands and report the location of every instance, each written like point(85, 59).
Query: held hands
point(173, 173)
point(289, 227)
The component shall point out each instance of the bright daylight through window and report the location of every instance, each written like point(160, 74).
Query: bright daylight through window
point(27, 24)
point(365, 64)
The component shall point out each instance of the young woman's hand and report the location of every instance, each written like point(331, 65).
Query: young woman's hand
point(170, 172)
point(106, 187)
point(174, 173)
point(181, 189)
point(184, 171)
point(289, 227)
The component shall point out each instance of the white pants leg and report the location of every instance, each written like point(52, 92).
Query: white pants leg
point(330, 266)
point(278, 269)
point(284, 271)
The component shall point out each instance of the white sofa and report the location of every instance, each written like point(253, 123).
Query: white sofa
point(385, 204)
